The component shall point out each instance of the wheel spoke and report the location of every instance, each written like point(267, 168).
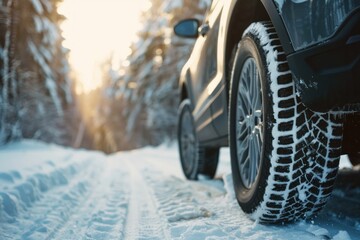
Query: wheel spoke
point(244, 100)
point(241, 115)
point(249, 123)
point(254, 158)
point(253, 90)
point(242, 132)
point(258, 102)
point(258, 142)
point(245, 163)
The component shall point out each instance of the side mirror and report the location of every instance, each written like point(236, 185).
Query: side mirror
point(187, 28)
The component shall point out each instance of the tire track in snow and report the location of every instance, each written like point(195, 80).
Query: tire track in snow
point(42, 204)
point(143, 221)
point(52, 212)
point(196, 210)
point(189, 207)
point(102, 214)
point(91, 204)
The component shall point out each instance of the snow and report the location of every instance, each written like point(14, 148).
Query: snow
point(52, 192)
point(171, 5)
point(38, 24)
point(47, 4)
point(37, 6)
point(204, 4)
point(342, 235)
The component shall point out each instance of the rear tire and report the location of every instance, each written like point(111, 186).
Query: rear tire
point(195, 159)
point(284, 157)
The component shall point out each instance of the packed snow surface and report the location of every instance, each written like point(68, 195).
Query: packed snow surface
point(51, 192)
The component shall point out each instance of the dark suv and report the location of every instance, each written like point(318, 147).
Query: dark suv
point(278, 81)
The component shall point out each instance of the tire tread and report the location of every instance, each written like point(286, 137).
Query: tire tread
point(306, 144)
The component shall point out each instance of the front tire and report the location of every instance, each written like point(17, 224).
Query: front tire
point(195, 159)
point(284, 157)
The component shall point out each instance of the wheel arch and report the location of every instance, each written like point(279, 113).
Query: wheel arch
point(183, 92)
point(185, 86)
point(241, 14)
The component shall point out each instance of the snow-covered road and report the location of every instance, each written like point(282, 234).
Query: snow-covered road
point(48, 192)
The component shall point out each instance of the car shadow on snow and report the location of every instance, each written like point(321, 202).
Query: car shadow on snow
point(343, 208)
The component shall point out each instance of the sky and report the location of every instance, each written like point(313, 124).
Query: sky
point(97, 29)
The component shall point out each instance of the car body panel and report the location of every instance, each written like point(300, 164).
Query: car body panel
point(201, 72)
point(312, 22)
point(328, 74)
point(207, 72)
point(218, 87)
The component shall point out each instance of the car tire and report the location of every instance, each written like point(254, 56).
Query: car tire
point(195, 160)
point(284, 157)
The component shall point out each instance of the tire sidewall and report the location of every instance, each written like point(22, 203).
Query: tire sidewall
point(250, 199)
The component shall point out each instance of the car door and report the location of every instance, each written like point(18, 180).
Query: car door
point(203, 70)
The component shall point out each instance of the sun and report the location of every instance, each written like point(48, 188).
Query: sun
point(95, 30)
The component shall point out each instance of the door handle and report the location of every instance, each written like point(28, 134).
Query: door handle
point(204, 29)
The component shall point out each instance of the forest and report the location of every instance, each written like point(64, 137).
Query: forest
point(136, 104)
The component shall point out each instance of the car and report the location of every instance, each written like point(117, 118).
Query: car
point(278, 81)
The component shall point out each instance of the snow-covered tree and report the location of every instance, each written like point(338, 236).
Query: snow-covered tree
point(35, 80)
point(146, 90)
point(9, 125)
point(40, 34)
point(45, 89)
point(158, 57)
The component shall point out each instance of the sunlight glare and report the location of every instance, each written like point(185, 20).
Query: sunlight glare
point(96, 30)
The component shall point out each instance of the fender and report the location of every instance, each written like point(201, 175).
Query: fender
point(230, 8)
point(279, 25)
point(185, 88)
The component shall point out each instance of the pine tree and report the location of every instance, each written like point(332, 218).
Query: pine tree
point(148, 87)
point(36, 94)
point(9, 125)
